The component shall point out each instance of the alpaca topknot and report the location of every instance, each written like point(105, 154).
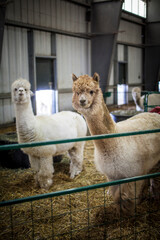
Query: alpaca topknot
point(21, 82)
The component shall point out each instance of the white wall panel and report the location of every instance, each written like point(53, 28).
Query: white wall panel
point(65, 102)
point(111, 80)
point(72, 57)
point(42, 43)
point(1, 112)
point(134, 65)
point(7, 111)
point(5, 77)
point(14, 64)
point(120, 53)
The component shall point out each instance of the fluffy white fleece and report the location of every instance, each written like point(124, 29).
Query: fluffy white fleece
point(31, 128)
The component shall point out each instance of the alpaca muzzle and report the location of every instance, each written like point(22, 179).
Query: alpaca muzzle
point(82, 100)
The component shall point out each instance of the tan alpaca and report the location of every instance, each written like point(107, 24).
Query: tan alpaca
point(117, 158)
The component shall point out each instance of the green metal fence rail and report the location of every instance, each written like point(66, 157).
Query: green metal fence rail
point(80, 189)
point(96, 137)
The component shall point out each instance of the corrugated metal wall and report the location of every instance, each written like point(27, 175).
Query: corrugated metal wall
point(14, 65)
point(42, 43)
point(57, 14)
point(72, 54)
point(129, 33)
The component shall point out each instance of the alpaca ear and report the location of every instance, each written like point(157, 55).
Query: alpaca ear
point(31, 93)
point(96, 77)
point(74, 78)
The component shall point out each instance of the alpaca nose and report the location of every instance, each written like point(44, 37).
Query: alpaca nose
point(82, 101)
point(21, 90)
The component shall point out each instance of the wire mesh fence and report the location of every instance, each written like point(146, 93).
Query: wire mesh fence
point(83, 213)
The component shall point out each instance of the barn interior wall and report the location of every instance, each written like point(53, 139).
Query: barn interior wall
point(72, 53)
point(129, 51)
point(56, 14)
point(14, 64)
point(73, 56)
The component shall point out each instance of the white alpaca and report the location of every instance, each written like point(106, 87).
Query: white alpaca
point(153, 99)
point(32, 128)
point(117, 158)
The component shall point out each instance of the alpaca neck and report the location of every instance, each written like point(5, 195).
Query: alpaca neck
point(25, 118)
point(100, 121)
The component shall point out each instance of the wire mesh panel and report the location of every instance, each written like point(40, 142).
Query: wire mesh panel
point(84, 213)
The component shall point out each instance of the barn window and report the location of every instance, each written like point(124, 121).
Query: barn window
point(137, 7)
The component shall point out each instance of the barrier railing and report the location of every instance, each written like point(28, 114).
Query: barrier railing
point(88, 138)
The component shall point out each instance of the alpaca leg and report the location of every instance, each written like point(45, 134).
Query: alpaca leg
point(45, 173)
point(125, 200)
point(155, 183)
point(35, 163)
point(76, 155)
point(126, 197)
point(155, 188)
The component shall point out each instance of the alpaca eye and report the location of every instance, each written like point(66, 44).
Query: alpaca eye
point(77, 93)
point(91, 92)
point(15, 89)
point(26, 90)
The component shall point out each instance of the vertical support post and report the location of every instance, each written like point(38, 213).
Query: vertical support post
point(104, 27)
point(31, 63)
point(53, 53)
point(2, 21)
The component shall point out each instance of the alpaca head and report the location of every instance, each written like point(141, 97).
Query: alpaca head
point(21, 91)
point(136, 93)
point(86, 93)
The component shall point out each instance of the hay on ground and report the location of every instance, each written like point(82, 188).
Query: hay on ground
point(70, 216)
